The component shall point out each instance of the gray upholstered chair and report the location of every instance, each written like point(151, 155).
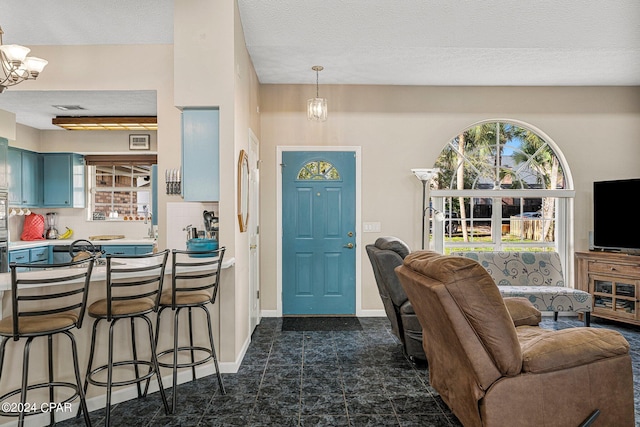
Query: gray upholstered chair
point(386, 254)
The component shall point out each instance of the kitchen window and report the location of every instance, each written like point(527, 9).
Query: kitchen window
point(119, 187)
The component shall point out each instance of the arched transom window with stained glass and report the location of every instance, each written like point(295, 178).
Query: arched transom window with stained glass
point(318, 170)
point(499, 155)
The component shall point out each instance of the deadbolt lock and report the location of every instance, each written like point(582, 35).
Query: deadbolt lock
point(350, 234)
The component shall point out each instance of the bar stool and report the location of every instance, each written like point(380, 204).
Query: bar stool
point(56, 307)
point(134, 285)
point(195, 280)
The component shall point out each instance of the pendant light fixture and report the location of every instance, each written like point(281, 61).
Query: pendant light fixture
point(317, 107)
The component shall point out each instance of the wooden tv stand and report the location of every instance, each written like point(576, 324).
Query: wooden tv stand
point(613, 279)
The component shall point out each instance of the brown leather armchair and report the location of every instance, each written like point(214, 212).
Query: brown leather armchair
point(385, 255)
point(493, 373)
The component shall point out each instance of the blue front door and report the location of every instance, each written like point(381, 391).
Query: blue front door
point(318, 224)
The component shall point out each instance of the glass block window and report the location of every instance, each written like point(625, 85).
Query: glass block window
point(318, 170)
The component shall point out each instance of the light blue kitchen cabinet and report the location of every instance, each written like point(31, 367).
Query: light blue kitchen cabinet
point(24, 177)
point(63, 180)
point(119, 249)
point(14, 176)
point(4, 148)
point(127, 249)
point(201, 154)
point(143, 249)
point(20, 256)
point(31, 179)
point(39, 255)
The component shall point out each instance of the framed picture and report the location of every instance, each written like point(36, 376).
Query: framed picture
point(139, 142)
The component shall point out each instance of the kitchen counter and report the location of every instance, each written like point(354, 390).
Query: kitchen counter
point(98, 273)
point(24, 244)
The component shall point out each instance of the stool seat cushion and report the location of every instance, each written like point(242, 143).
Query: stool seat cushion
point(39, 324)
point(121, 308)
point(185, 298)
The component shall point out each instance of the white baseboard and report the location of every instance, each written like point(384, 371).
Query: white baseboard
point(372, 313)
point(269, 313)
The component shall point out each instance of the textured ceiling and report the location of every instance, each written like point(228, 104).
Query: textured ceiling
point(408, 42)
point(445, 42)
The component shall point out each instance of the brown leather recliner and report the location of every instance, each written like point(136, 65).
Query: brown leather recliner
point(491, 372)
point(385, 255)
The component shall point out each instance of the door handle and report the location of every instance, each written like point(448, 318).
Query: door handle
point(348, 246)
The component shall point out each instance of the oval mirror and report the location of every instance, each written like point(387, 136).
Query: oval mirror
point(243, 190)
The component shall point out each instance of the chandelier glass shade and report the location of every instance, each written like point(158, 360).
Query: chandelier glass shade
point(317, 107)
point(16, 65)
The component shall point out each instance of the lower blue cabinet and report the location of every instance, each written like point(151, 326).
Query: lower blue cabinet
point(127, 249)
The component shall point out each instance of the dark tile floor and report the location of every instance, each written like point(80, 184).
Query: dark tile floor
point(325, 378)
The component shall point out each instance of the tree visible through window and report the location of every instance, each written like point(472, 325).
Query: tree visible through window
point(509, 175)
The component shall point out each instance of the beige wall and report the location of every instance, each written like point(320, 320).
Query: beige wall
point(7, 125)
point(400, 128)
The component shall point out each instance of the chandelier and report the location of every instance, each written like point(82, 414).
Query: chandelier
point(16, 65)
point(317, 107)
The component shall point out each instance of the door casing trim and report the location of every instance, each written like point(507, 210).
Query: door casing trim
point(279, 150)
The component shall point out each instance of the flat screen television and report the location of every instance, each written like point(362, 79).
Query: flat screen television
point(615, 226)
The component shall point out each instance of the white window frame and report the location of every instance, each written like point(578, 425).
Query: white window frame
point(92, 190)
point(564, 243)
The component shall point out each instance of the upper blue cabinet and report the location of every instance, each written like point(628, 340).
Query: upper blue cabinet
point(4, 148)
point(24, 177)
point(200, 154)
point(63, 180)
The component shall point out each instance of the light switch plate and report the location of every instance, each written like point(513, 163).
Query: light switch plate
point(371, 227)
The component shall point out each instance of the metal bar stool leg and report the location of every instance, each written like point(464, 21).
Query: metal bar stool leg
point(174, 396)
point(76, 369)
point(193, 367)
point(107, 421)
point(2, 347)
point(25, 379)
point(92, 348)
point(156, 367)
point(52, 417)
point(157, 337)
point(213, 351)
point(135, 355)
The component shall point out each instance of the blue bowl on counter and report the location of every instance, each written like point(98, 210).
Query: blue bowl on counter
point(201, 244)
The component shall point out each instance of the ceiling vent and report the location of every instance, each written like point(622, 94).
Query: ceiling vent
point(68, 107)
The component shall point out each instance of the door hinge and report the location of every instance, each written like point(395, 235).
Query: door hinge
point(257, 294)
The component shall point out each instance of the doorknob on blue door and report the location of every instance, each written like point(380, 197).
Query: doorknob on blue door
point(348, 245)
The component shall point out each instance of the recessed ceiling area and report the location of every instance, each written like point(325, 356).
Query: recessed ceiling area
point(37, 108)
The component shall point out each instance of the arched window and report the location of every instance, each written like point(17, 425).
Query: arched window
point(318, 170)
point(502, 186)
